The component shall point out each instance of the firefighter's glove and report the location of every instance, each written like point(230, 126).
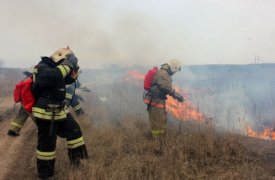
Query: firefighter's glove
point(71, 61)
point(85, 89)
point(178, 97)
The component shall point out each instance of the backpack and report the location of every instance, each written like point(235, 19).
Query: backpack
point(149, 78)
point(22, 93)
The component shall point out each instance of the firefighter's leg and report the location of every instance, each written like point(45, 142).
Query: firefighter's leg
point(158, 119)
point(75, 142)
point(45, 148)
point(17, 122)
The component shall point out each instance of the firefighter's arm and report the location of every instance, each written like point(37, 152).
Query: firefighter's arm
point(64, 69)
point(49, 76)
point(78, 84)
point(165, 84)
point(72, 62)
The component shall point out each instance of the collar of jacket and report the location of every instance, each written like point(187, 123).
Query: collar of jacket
point(50, 62)
point(167, 68)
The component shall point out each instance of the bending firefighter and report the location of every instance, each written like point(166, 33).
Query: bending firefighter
point(72, 100)
point(51, 115)
point(21, 117)
point(161, 86)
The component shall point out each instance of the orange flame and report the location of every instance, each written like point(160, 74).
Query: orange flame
point(267, 133)
point(182, 111)
point(134, 75)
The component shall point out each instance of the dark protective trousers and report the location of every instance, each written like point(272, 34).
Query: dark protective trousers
point(68, 129)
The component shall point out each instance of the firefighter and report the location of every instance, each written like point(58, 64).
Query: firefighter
point(51, 115)
point(73, 99)
point(161, 87)
point(21, 117)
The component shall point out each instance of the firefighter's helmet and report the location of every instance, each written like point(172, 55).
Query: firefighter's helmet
point(61, 54)
point(27, 73)
point(174, 65)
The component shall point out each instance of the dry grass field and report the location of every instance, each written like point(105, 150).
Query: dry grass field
point(124, 150)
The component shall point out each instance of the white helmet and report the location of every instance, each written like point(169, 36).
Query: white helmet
point(174, 65)
point(61, 54)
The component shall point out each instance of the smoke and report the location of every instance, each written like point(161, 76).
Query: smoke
point(137, 32)
point(98, 35)
point(234, 97)
point(1, 62)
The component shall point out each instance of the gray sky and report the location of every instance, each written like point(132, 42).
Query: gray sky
point(129, 32)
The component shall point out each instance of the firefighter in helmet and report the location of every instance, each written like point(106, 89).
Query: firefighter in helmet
point(50, 112)
point(155, 98)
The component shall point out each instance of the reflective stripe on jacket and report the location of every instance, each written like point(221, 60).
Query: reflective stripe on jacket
point(47, 115)
point(148, 101)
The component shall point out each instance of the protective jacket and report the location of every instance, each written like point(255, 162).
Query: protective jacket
point(49, 88)
point(161, 87)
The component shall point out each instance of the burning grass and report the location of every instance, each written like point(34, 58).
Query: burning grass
point(267, 133)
